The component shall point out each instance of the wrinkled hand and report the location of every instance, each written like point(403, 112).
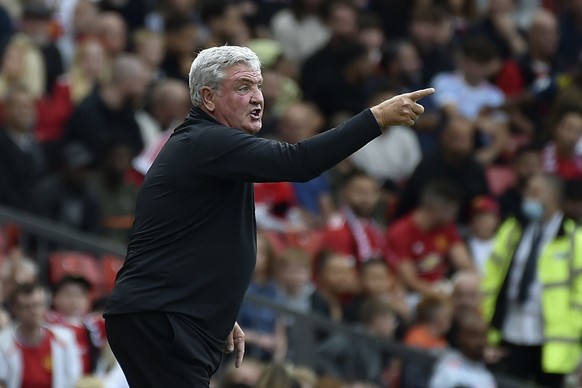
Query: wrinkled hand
point(236, 342)
point(400, 110)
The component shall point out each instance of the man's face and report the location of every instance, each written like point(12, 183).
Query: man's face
point(294, 276)
point(362, 195)
point(239, 101)
point(20, 112)
point(442, 213)
point(30, 310)
point(466, 298)
point(537, 190)
point(72, 301)
point(569, 130)
point(339, 274)
point(458, 140)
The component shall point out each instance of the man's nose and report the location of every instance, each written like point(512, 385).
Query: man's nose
point(257, 97)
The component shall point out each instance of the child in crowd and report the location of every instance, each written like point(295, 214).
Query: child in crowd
point(482, 226)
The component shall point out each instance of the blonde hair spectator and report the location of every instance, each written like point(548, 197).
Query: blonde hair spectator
point(89, 68)
point(22, 64)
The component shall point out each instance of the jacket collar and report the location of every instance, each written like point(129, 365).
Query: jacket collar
point(199, 114)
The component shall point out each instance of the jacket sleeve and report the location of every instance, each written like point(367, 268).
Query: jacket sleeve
point(576, 274)
point(230, 153)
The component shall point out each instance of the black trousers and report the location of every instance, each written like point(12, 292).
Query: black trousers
point(158, 350)
point(525, 363)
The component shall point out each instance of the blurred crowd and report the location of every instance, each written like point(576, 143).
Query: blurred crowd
point(458, 236)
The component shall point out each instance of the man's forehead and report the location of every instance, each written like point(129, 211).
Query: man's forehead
point(238, 72)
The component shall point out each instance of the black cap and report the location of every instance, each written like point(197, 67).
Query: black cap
point(75, 280)
point(37, 11)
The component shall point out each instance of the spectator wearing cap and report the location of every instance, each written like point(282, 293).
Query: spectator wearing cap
point(65, 196)
point(108, 113)
point(468, 94)
point(532, 287)
point(21, 158)
point(559, 155)
point(33, 353)
point(454, 161)
point(483, 224)
point(425, 246)
point(71, 303)
point(352, 230)
point(117, 197)
point(525, 164)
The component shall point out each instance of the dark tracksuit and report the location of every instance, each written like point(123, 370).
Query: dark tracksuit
point(193, 246)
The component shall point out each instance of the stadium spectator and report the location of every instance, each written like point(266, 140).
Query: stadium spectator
point(559, 155)
point(301, 121)
point(66, 197)
point(22, 64)
point(531, 287)
point(293, 275)
point(79, 21)
point(17, 269)
point(483, 224)
point(33, 354)
point(265, 331)
point(21, 158)
point(71, 303)
point(425, 246)
point(371, 37)
point(378, 283)
point(223, 19)
point(423, 30)
point(352, 230)
point(117, 196)
point(299, 29)
point(433, 321)
point(572, 201)
point(465, 367)
point(500, 26)
point(468, 94)
point(466, 300)
point(277, 375)
point(112, 32)
point(357, 361)
point(454, 161)
point(402, 66)
point(36, 23)
point(181, 40)
point(523, 79)
point(167, 104)
point(336, 278)
point(150, 47)
point(393, 155)
point(108, 113)
point(570, 32)
point(526, 163)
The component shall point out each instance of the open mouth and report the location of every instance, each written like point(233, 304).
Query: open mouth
point(256, 114)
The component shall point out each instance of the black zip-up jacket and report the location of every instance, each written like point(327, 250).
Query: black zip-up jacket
point(193, 245)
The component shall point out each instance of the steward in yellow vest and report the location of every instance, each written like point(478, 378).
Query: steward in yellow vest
point(541, 319)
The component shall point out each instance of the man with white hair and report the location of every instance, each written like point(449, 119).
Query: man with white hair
point(192, 252)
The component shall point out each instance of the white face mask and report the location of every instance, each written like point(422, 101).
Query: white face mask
point(532, 209)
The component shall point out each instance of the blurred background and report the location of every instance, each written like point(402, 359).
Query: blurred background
point(444, 255)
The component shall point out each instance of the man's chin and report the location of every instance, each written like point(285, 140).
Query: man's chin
point(253, 128)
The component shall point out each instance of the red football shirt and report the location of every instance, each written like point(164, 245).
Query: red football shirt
point(37, 363)
point(428, 250)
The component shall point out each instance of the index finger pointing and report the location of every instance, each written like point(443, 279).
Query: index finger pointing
point(417, 95)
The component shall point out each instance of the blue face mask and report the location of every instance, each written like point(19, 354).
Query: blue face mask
point(532, 209)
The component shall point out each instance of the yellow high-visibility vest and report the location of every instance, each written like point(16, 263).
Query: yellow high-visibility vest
point(560, 272)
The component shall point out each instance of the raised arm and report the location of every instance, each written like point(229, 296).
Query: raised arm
point(233, 154)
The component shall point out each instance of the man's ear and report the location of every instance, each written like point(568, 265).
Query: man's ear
point(207, 95)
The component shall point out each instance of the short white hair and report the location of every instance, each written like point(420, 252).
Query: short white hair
point(210, 64)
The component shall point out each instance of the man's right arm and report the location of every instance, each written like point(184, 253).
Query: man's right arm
point(407, 272)
point(232, 154)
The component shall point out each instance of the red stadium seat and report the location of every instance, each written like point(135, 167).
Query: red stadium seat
point(75, 263)
point(499, 179)
point(110, 265)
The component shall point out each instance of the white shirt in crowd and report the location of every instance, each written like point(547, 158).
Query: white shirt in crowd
point(524, 323)
point(480, 251)
point(393, 155)
point(299, 39)
point(455, 370)
point(451, 88)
